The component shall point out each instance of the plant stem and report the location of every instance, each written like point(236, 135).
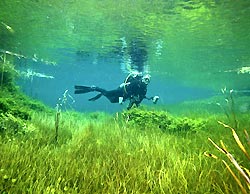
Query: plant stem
point(4, 60)
point(57, 125)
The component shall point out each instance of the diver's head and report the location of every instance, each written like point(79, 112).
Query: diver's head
point(146, 79)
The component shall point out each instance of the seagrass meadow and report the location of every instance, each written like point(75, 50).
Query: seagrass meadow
point(138, 151)
point(189, 136)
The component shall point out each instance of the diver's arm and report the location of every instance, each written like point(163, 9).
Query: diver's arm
point(154, 98)
point(151, 98)
point(124, 85)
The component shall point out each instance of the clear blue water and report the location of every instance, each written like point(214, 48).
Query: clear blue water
point(194, 48)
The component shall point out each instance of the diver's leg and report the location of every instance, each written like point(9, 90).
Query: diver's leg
point(96, 97)
point(111, 95)
point(102, 92)
point(131, 103)
point(114, 95)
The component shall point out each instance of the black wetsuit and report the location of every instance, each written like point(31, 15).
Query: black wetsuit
point(133, 89)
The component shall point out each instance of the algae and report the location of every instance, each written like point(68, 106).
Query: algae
point(148, 119)
point(15, 107)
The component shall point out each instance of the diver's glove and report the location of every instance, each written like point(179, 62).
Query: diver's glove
point(120, 100)
point(155, 99)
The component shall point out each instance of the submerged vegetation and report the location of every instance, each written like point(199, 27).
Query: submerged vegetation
point(136, 151)
point(243, 171)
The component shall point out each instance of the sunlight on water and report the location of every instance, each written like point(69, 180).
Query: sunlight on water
point(200, 43)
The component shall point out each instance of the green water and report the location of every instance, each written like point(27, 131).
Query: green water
point(195, 43)
point(201, 40)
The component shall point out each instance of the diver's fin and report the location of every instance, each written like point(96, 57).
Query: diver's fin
point(96, 97)
point(81, 87)
point(84, 89)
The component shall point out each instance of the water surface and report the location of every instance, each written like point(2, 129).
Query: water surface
point(194, 48)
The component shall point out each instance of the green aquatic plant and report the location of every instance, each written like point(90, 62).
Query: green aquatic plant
point(243, 171)
point(15, 112)
point(229, 107)
point(4, 59)
point(148, 119)
point(63, 104)
point(105, 157)
point(8, 73)
point(12, 118)
point(98, 152)
point(57, 121)
point(12, 125)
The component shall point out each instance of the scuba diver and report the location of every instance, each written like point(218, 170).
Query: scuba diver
point(134, 89)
